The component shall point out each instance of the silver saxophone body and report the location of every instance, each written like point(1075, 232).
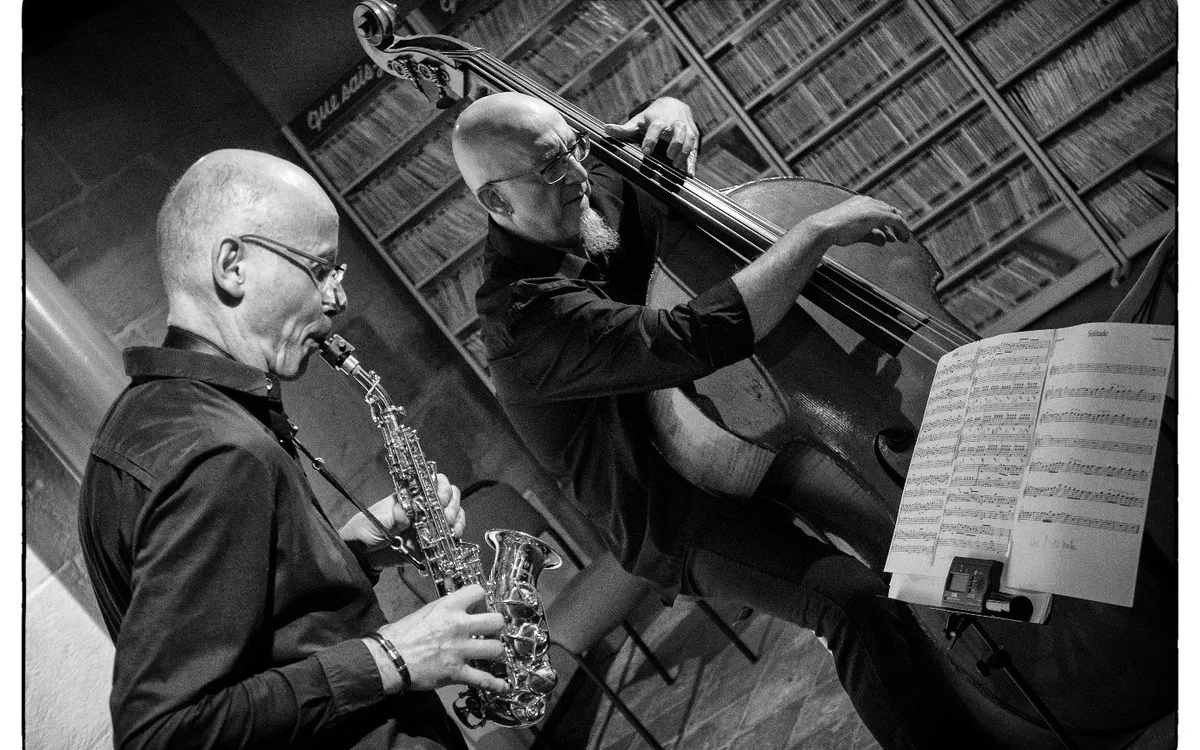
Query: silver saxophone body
point(510, 588)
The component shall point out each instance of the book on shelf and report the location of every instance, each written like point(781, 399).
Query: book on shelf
point(648, 64)
point(993, 213)
point(1014, 277)
point(497, 28)
point(1036, 451)
point(405, 183)
point(1018, 33)
point(1130, 200)
point(1128, 123)
point(783, 40)
point(927, 177)
point(706, 22)
point(877, 134)
point(708, 110)
point(721, 167)
point(448, 228)
point(958, 13)
point(583, 36)
point(1057, 89)
point(473, 343)
point(454, 296)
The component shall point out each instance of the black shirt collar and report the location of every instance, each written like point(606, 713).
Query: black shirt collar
point(150, 362)
point(534, 258)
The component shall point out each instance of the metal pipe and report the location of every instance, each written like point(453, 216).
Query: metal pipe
point(73, 371)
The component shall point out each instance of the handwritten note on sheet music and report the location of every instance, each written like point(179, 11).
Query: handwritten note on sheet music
point(1037, 449)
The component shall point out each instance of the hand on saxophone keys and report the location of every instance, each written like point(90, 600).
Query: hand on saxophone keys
point(375, 550)
point(439, 641)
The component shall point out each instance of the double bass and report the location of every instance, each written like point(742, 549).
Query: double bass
point(840, 434)
point(825, 414)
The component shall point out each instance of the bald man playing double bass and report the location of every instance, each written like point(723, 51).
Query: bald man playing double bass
point(572, 350)
point(241, 617)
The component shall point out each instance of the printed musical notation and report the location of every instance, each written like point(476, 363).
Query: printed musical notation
point(1112, 392)
point(1102, 417)
point(1023, 420)
point(1009, 479)
point(1092, 496)
point(1097, 470)
point(1027, 388)
point(1022, 450)
point(940, 424)
point(1109, 368)
point(981, 513)
point(1085, 521)
point(1138, 449)
point(957, 500)
point(997, 351)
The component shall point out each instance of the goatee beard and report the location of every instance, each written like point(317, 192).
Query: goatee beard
point(597, 238)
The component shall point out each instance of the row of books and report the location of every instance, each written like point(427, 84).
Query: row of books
point(473, 343)
point(948, 164)
point(707, 23)
point(725, 164)
point(406, 182)
point(958, 13)
point(499, 27)
point(1003, 285)
point(782, 41)
point(992, 215)
point(1017, 34)
point(708, 109)
point(454, 296)
point(380, 125)
point(879, 133)
point(439, 235)
point(1055, 91)
point(1130, 201)
point(586, 34)
point(651, 62)
point(1120, 131)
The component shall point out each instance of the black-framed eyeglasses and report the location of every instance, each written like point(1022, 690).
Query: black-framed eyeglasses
point(325, 273)
point(556, 169)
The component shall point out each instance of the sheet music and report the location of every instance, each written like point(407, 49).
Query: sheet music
point(1037, 449)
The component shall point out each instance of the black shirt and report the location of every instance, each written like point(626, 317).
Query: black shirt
point(234, 605)
point(573, 350)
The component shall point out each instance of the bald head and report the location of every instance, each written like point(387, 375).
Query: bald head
point(495, 137)
point(227, 193)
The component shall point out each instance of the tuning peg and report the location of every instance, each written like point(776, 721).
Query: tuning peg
point(375, 22)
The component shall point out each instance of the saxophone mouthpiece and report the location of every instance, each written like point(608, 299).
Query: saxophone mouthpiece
point(334, 350)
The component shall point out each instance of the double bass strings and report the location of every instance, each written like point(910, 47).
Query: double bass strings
point(856, 295)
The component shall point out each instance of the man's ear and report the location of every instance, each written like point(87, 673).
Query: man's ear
point(228, 267)
point(489, 197)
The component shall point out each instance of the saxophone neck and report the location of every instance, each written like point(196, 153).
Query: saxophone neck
point(339, 354)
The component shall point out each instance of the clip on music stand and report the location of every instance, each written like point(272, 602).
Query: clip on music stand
point(971, 586)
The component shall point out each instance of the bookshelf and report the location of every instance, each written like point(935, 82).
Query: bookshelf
point(1030, 143)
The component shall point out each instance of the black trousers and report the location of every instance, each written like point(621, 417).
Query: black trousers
point(761, 560)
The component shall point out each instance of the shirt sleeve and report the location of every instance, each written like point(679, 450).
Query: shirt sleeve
point(572, 342)
point(192, 666)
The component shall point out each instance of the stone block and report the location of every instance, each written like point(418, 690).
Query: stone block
point(48, 181)
point(51, 504)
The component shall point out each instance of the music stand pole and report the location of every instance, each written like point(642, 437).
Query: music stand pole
point(1000, 659)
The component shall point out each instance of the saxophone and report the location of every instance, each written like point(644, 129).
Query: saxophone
point(452, 564)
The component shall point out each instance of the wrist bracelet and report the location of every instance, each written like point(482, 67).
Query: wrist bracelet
point(394, 655)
